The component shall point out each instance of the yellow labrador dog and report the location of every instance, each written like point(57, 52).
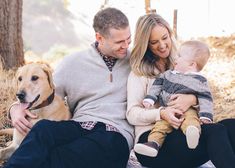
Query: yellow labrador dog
point(35, 90)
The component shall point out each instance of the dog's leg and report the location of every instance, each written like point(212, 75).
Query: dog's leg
point(8, 131)
point(5, 153)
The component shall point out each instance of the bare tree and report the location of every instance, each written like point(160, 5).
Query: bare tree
point(11, 43)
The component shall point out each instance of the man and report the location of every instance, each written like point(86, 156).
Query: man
point(94, 82)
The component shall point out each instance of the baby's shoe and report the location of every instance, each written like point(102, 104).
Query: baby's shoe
point(149, 148)
point(192, 136)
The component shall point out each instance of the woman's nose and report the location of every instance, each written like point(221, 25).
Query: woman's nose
point(161, 44)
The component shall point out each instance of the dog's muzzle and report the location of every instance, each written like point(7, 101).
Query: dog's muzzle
point(21, 96)
point(31, 103)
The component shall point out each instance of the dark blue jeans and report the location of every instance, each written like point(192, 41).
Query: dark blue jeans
point(66, 144)
point(217, 143)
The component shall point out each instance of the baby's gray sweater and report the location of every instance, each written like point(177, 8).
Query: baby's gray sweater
point(171, 82)
point(85, 79)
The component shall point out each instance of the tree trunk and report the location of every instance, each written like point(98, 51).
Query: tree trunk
point(11, 43)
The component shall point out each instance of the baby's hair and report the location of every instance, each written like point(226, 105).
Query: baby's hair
point(200, 52)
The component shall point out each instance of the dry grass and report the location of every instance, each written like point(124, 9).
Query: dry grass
point(220, 72)
point(7, 96)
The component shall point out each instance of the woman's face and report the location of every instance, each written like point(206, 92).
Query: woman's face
point(160, 41)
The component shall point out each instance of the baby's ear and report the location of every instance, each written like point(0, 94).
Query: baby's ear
point(194, 64)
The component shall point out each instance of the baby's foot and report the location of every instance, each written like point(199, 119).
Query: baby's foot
point(192, 136)
point(148, 148)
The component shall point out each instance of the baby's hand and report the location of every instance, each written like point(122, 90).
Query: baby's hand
point(146, 104)
point(205, 121)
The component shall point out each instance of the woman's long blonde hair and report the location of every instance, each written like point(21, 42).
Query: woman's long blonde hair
point(139, 63)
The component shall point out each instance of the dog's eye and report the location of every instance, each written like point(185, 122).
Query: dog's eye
point(19, 78)
point(34, 78)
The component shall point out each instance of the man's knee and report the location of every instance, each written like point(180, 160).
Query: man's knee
point(42, 125)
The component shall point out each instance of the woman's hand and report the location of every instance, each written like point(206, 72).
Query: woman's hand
point(172, 116)
point(18, 114)
point(182, 102)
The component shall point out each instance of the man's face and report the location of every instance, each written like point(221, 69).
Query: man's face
point(116, 43)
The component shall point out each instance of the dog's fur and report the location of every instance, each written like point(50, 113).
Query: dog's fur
point(35, 89)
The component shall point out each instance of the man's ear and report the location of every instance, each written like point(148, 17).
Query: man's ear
point(99, 38)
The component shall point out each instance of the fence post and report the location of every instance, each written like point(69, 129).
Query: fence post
point(175, 23)
point(148, 9)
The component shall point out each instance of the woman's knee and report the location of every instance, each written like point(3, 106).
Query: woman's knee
point(228, 122)
point(213, 129)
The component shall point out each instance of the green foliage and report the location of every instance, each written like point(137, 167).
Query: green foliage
point(57, 52)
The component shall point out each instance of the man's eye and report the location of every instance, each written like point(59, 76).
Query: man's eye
point(34, 78)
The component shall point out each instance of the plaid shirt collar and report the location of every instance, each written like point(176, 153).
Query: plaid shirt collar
point(109, 61)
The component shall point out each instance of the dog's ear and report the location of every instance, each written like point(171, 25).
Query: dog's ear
point(48, 70)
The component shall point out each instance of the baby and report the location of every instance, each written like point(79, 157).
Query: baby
point(184, 79)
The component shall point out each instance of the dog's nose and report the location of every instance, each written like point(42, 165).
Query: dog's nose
point(21, 95)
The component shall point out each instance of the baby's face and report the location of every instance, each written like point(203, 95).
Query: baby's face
point(183, 61)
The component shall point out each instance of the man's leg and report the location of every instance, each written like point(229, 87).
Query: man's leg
point(99, 148)
point(44, 136)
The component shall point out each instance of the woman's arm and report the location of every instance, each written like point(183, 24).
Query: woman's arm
point(170, 114)
point(136, 90)
point(182, 101)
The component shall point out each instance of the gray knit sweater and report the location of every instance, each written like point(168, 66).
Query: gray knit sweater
point(172, 82)
point(84, 79)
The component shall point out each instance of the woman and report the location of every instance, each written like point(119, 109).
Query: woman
point(153, 52)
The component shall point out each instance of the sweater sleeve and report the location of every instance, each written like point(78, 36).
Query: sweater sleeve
point(59, 79)
point(155, 89)
point(205, 102)
point(136, 90)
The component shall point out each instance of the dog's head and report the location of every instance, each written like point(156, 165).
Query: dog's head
point(34, 83)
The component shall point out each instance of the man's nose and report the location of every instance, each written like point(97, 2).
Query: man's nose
point(126, 44)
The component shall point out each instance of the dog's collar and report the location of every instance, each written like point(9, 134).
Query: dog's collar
point(46, 102)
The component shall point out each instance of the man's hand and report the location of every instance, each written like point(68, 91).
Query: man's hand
point(19, 113)
point(171, 115)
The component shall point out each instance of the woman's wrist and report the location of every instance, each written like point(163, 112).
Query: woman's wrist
point(162, 110)
point(194, 100)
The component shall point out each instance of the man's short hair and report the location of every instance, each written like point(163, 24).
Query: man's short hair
point(109, 18)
